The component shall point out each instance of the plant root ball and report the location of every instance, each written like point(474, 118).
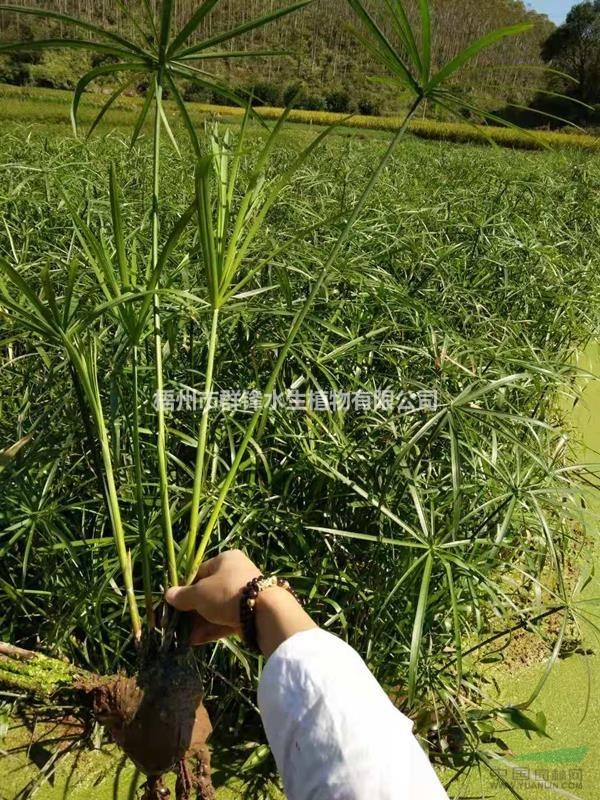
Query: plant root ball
point(157, 718)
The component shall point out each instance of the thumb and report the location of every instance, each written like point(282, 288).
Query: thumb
point(183, 598)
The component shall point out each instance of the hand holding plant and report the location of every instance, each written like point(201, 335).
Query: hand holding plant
point(215, 595)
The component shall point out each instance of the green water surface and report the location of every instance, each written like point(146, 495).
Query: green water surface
point(568, 764)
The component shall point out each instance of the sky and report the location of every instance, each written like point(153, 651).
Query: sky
point(555, 9)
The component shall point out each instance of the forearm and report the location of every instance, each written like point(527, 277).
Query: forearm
point(278, 617)
point(332, 729)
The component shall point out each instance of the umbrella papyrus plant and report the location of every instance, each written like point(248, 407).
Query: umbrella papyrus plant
point(157, 715)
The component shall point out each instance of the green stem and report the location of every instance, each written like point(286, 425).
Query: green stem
point(89, 431)
point(90, 389)
point(119, 532)
point(201, 449)
point(161, 444)
point(139, 494)
point(260, 415)
point(417, 632)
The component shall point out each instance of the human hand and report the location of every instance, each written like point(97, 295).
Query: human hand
point(214, 597)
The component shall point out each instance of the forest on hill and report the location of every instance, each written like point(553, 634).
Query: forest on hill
point(323, 56)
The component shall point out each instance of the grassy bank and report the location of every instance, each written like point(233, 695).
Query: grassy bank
point(49, 105)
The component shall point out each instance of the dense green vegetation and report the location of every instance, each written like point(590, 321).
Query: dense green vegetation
point(574, 48)
point(572, 89)
point(458, 291)
point(323, 68)
point(411, 311)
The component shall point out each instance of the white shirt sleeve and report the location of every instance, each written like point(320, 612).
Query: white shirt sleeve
point(333, 731)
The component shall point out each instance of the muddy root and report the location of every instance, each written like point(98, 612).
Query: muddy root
point(158, 717)
point(193, 778)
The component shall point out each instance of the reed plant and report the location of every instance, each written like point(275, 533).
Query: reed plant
point(232, 286)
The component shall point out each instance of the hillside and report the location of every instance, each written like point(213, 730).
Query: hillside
point(324, 55)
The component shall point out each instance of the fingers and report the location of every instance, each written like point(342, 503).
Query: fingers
point(183, 598)
point(207, 568)
point(199, 597)
point(186, 598)
point(215, 594)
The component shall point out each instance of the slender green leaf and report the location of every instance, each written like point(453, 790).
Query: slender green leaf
point(184, 114)
point(113, 97)
point(456, 617)
point(65, 44)
point(143, 115)
point(167, 126)
point(150, 18)
point(207, 81)
point(425, 41)
point(218, 54)
point(192, 25)
point(240, 29)
point(47, 14)
point(117, 221)
point(205, 226)
point(24, 287)
point(404, 30)
point(472, 50)
point(166, 18)
point(85, 80)
point(382, 47)
point(417, 631)
point(163, 258)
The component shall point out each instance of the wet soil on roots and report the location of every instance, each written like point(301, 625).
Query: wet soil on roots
point(158, 719)
point(156, 716)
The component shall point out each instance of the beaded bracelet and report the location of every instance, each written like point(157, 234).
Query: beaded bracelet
point(248, 605)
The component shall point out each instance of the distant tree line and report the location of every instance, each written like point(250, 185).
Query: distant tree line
point(574, 49)
point(571, 88)
point(326, 68)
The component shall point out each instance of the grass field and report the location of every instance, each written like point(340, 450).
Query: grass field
point(51, 106)
point(469, 266)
